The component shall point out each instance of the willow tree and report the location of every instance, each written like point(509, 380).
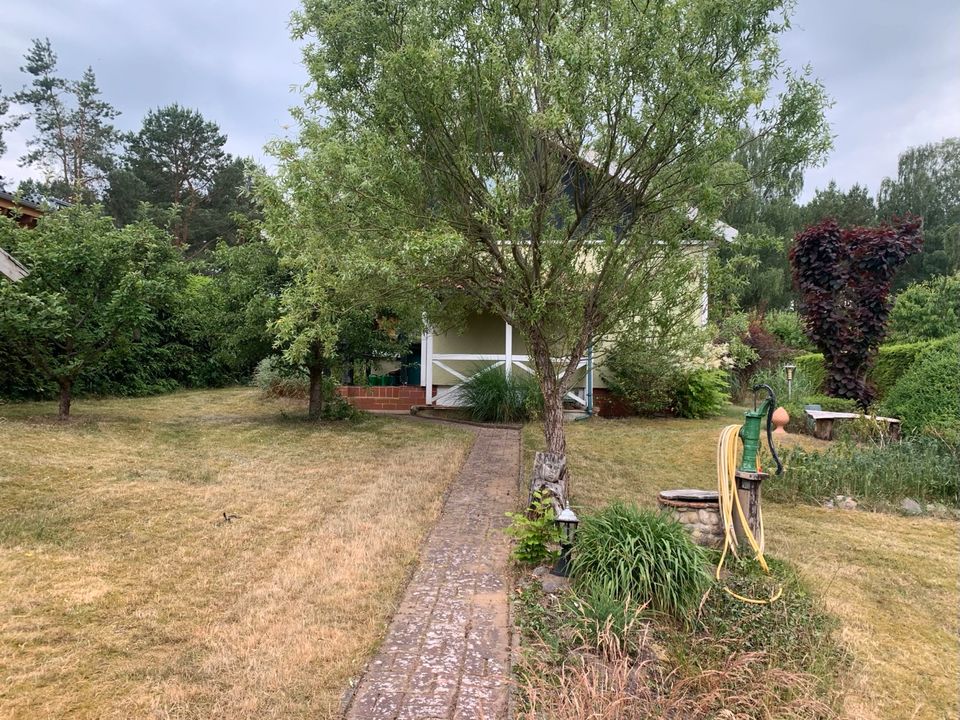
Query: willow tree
point(546, 159)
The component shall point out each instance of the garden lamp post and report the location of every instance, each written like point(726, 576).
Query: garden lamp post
point(567, 521)
point(789, 369)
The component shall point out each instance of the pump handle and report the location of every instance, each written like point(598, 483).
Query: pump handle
point(772, 397)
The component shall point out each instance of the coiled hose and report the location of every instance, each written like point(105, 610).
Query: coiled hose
point(729, 501)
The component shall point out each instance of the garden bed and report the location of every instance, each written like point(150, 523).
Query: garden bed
point(890, 580)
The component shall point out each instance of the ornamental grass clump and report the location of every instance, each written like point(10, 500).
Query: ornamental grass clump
point(492, 396)
point(640, 556)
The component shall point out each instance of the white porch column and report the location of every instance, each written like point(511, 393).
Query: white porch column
point(508, 348)
point(427, 366)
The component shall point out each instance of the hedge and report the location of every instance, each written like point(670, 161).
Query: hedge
point(892, 362)
point(926, 398)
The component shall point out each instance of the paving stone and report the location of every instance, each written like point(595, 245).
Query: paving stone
point(447, 652)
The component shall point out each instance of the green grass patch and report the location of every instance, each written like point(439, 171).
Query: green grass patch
point(879, 474)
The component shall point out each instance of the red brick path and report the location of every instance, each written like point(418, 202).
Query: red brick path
point(447, 652)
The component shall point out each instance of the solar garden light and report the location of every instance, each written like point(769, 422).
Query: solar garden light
point(567, 521)
point(789, 369)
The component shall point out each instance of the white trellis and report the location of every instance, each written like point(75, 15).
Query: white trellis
point(430, 360)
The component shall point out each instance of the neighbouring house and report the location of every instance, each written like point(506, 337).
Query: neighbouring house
point(446, 360)
point(23, 211)
point(26, 214)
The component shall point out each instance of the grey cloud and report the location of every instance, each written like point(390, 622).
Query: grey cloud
point(891, 66)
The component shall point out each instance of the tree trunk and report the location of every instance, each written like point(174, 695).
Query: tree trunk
point(553, 429)
point(66, 388)
point(316, 392)
point(553, 394)
point(550, 479)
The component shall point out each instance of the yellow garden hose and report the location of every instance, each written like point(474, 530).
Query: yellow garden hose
point(729, 503)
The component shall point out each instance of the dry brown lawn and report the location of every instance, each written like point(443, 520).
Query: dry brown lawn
point(892, 581)
point(125, 594)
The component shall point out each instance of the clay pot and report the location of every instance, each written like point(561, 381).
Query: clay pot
point(780, 419)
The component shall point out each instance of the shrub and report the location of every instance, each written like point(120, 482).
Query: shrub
point(787, 327)
point(701, 394)
point(491, 396)
point(843, 277)
point(927, 397)
point(796, 634)
point(927, 310)
point(335, 406)
point(644, 377)
point(811, 365)
point(641, 556)
point(589, 657)
point(603, 621)
point(535, 531)
point(882, 473)
point(893, 360)
point(275, 378)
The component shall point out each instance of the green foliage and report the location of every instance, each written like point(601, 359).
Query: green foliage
point(853, 207)
point(671, 372)
point(892, 362)
point(927, 311)
point(91, 292)
point(795, 633)
point(74, 139)
point(275, 378)
point(535, 531)
point(928, 184)
point(599, 618)
point(176, 163)
point(926, 398)
point(811, 366)
point(702, 394)
point(787, 327)
point(884, 473)
point(643, 376)
point(479, 140)
point(641, 556)
point(491, 396)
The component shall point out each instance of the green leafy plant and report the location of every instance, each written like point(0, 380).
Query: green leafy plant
point(604, 621)
point(701, 394)
point(642, 556)
point(491, 396)
point(787, 327)
point(924, 469)
point(796, 634)
point(927, 310)
point(644, 377)
point(893, 360)
point(927, 397)
point(535, 531)
point(275, 378)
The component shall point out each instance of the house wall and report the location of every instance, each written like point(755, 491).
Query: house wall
point(484, 334)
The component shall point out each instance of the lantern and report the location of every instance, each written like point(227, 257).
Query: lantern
point(567, 522)
point(789, 369)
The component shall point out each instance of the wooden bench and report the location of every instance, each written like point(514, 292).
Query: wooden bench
point(823, 422)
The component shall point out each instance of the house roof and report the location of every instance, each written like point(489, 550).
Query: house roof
point(11, 268)
point(10, 204)
point(719, 228)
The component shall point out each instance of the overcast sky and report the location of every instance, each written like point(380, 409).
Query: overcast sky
point(892, 66)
